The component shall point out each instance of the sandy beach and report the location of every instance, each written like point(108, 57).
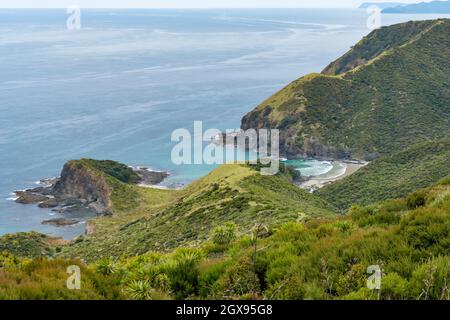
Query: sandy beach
point(340, 170)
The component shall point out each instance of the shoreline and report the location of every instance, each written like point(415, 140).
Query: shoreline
point(340, 170)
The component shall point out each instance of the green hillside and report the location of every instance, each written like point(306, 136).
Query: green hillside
point(390, 91)
point(319, 259)
point(231, 193)
point(27, 245)
point(392, 176)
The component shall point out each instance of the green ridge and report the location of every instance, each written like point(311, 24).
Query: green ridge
point(395, 95)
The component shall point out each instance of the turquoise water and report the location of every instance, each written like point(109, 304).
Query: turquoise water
point(118, 87)
point(310, 168)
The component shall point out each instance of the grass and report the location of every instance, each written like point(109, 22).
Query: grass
point(27, 244)
point(114, 169)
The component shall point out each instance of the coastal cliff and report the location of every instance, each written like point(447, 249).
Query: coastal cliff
point(78, 181)
point(390, 91)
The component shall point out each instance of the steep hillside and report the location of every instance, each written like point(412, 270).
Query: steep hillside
point(389, 92)
point(376, 43)
point(231, 193)
point(320, 259)
point(392, 176)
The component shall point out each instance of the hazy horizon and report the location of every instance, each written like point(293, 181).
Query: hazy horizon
point(194, 4)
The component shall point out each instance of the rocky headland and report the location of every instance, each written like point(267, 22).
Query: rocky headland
point(85, 185)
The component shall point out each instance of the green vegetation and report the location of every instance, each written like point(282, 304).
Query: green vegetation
point(392, 176)
point(223, 235)
point(128, 199)
point(318, 259)
point(114, 169)
point(394, 93)
point(43, 279)
point(376, 43)
point(231, 193)
point(26, 244)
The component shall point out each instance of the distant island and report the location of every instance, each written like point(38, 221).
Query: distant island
point(381, 5)
point(423, 7)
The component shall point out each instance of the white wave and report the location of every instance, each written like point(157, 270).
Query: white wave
point(12, 197)
point(286, 22)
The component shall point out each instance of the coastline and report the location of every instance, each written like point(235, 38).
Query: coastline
point(340, 170)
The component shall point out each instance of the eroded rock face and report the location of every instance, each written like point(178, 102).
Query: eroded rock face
point(78, 182)
point(78, 187)
point(291, 145)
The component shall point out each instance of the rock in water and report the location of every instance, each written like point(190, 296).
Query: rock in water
point(149, 177)
point(28, 197)
point(51, 203)
point(60, 222)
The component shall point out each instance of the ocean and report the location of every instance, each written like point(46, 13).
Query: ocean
point(119, 86)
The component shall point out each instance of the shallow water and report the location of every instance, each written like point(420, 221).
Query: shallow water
point(118, 87)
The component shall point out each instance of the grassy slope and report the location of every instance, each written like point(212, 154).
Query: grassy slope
point(319, 259)
point(392, 176)
point(26, 244)
point(230, 193)
point(398, 98)
point(42, 279)
point(115, 169)
point(376, 43)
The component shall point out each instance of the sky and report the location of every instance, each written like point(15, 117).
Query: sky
point(188, 3)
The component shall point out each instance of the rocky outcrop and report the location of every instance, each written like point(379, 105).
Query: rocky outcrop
point(60, 222)
point(79, 182)
point(291, 145)
point(30, 197)
point(48, 204)
point(150, 177)
point(86, 184)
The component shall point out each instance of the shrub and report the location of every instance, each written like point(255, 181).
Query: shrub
point(416, 200)
point(223, 235)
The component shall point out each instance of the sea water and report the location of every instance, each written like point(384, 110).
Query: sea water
point(119, 86)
